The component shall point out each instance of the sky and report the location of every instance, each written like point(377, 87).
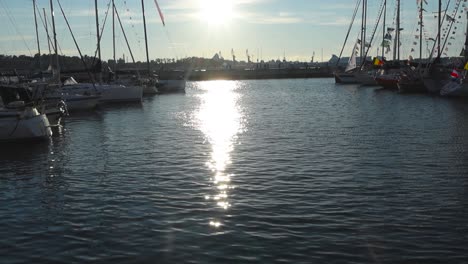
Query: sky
point(268, 29)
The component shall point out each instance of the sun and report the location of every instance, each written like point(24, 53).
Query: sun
point(216, 12)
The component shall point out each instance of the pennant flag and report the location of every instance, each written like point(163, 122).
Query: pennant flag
point(450, 19)
point(466, 67)
point(455, 74)
point(160, 13)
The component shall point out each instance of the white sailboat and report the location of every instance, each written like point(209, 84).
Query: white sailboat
point(19, 122)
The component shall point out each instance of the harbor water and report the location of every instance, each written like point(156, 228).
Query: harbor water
point(259, 171)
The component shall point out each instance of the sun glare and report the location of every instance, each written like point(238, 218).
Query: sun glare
point(216, 12)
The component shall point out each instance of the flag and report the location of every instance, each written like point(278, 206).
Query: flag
point(449, 18)
point(466, 66)
point(376, 61)
point(160, 13)
point(455, 74)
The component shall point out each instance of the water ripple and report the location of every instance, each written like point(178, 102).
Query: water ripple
point(289, 171)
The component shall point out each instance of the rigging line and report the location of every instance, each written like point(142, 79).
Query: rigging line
point(358, 3)
point(126, 40)
point(44, 25)
point(137, 37)
point(76, 44)
point(171, 42)
point(13, 22)
point(49, 23)
point(435, 42)
point(457, 6)
point(102, 31)
point(373, 33)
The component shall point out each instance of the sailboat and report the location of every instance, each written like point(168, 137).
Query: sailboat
point(347, 76)
point(390, 74)
point(108, 93)
point(166, 85)
point(56, 102)
point(438, 79)
point(411, 79)
point(457, 84)
point(20, 120)
point(369, 71)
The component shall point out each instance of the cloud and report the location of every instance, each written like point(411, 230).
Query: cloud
point(16, 38)
point(281, 18)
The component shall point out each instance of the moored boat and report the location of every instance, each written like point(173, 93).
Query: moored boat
point(19, 121)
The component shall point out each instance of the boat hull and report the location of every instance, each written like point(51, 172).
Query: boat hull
point(388, 82)
point(366, 79)
point(81, 102)
point(454, 89)
point(171, 86)
point(23, 125)
point(345, 78)
point(108, 93)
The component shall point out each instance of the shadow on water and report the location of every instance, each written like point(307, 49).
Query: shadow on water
point(24, 151)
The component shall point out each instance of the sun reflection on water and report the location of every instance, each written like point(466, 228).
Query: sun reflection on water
point(221, 121)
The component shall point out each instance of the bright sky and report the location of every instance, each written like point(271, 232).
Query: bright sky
point(267, 28)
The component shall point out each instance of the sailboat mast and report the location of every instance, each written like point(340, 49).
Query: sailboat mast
point(57, 65)
point(365, 32)
point(362, 29)
point(420, 29)
point(439, 28)
point(396, 44)
point(98, 39)
point(37, 34)
point(398, 30)
point(46, 29)
point(146, 36)
point(113, 37)
point(383, 25)
point(466, 39)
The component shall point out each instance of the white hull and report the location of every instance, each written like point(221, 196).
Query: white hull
point(171, 86)
point(345, 78)
point(108, 93)
point(23, 125)
point(365, 78)
point(80, 102)
point(149, 89)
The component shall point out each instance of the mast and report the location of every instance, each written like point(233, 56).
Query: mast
point(46, 29)
point(363, 26)
point(398, 28)
point(37, 34)
point(57, 65)
point(113, 37)
point(383, 27)
point(98, 39)
point(396, 44)
point(420, 29)
point(146, 36)
point(466, 39)
point(439, 29)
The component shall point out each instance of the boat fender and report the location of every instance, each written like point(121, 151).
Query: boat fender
point(62, 107)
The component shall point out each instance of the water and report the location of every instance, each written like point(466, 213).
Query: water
point(294, 171)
